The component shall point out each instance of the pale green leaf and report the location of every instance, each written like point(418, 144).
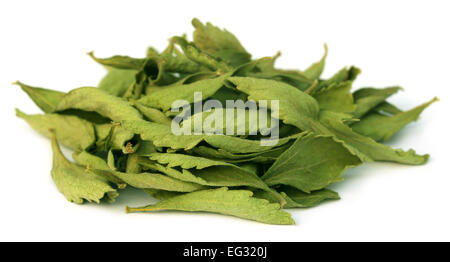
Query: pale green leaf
point(202, 58)
point(239, 203)
point(311, 163)
point(152, 114)
point(164, 98)
point(45, 99)
point(75, 182)
point(381, 127)
point(336, 97)
point(315, 70)
point(139, 180)
point(368, 98)
point(219, 43)
point(71, 131)
point(96, 100)
point(366, 148)
point(117, 81)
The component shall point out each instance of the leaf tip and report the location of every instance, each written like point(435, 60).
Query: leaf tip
point(196, 22)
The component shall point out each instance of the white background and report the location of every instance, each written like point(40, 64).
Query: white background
point(43, 43)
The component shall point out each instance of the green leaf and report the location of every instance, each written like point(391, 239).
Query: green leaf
point(223, 155)
point(209, 172)
point(117, 81)
point(239, 122)
point(77, 184)
point(172, 63)
point(242, 146)
point(45, 99)
point(183, 174)
point(366, 148)
point(309, 200)
point(301, 110)
point(139, 180)
point(386, 108)
point(315, 70)
point(298, 199)
point(239, 203)
point(381, 127)
point(161, 194)
point(152, 114)
point(311, 163)
point(157, 181)
point(164, 98)
point(112, 136)
point(295, 107)
point(345, 74)
point(120, 62)
point(293, 78)
point(368, 98)
point(219, 43)
point(161, 135)
point(146, 148)
point(71, 131)
point(336, 97)
point(96, 100)
point(185, 161)
point(202, 58)
point(97, 166)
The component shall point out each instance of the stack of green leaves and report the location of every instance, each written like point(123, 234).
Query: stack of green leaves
point(120, 131)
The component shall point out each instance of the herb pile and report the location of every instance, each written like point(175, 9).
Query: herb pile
point(120, 131)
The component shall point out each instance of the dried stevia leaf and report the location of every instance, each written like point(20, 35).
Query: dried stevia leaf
point(96, 100)
point(120, 62)
point(311, 199)
point(239, 203)
point(173, 63)
point(240, 145)
point(161, 135)
point(366, 148)
point(315, 70)
point(295, 107)
point(381, 127)
point(298, 199)
point(98, 166)
point(183, 175)
point(311, 163)
point(301, 110)
point(368, 98)
point(139, 180)
point(71, 131)
point(76, 183)
point(264, 157)
point(161, 194)
point(45, 99)
point(153, 114)
point(209, 172)
point(185, 161)
point(345, 74)
point(219, 43)
point(117, 81)
point(235, 122)
point(386, 108)
point(336, 97)
point(164, 98)
point(195, 54)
